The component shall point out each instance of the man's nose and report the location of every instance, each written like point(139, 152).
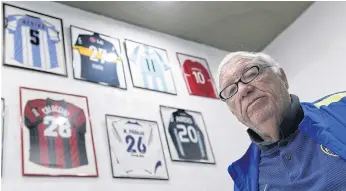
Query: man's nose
point(245, 89)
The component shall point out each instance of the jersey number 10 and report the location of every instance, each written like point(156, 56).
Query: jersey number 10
point(199, 77)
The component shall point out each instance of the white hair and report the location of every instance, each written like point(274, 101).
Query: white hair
point(233, 57)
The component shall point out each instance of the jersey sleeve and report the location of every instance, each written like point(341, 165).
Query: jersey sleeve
point(171, 128)
point(53, 33)
point(32, 116)
point(186, 68)
point(112, 54)
point(79, 120)
point(165, 65)
point(173, 131)
point(78, 45)
point(201, 144)
point(11, 22)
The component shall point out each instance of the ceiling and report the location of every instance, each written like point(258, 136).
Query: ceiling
point(230, 26)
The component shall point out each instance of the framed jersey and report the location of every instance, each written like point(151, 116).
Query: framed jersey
point(197, 75)
point(57, 138)
point(186, 135)
point(97, 58)
point(33, 41)
point(135, 148)
point(149, 67)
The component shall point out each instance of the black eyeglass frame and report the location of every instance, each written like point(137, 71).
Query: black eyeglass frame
point(259, 67)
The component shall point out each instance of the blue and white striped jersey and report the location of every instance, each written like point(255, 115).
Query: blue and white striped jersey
point(34, 41)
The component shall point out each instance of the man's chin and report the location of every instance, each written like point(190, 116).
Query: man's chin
point(259, 117)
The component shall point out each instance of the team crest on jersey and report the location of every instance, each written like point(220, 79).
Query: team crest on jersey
point(328, 151)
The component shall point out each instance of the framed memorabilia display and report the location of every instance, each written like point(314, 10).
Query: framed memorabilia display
point(33, 41)
point(57, 138)
point(135, 148)
point(97, 58)
point(149, 67)
point(2, 129)
point(186, 135)
point(197, 75)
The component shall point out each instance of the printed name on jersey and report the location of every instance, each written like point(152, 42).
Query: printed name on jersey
point(55, 108)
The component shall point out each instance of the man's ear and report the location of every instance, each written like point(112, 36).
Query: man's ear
point(283, 77)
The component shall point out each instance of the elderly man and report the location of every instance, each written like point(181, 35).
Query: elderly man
point(295, 146)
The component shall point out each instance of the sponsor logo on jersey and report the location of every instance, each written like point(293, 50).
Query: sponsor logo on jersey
point(92, 39)
point(328, 151)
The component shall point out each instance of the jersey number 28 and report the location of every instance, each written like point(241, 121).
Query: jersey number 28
point(57, 126)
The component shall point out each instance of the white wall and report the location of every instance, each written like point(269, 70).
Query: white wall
point(312, 51)
point(228, 140)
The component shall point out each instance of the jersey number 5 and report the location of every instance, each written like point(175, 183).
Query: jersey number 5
point(34, 34)
point(57, 126)
point(187, 134)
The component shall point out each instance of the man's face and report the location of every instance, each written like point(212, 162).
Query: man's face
point(260, 102)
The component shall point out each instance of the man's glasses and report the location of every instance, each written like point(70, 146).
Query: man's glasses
point(248, 76)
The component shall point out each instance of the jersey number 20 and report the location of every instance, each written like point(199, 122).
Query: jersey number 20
point(187, 134)
point(57, 126)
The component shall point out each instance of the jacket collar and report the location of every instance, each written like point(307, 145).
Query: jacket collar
point(326, 125)
point(289, 125)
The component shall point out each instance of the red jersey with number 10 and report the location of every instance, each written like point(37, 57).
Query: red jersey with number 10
point(198, 79)
point(57, 130)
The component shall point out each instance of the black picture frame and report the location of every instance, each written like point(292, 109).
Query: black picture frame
point(120, 55)
point(170, 148)
point(109, 148)
point(131, 73)
point(64, 60)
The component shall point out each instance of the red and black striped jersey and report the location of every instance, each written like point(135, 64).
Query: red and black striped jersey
point(57, 130)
